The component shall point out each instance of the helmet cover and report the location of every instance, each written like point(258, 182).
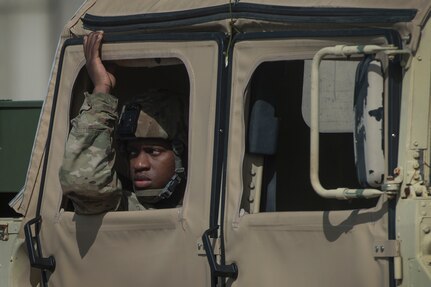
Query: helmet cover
point(155, 114)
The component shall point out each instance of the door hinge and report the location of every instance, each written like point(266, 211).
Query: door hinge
point(390, 249)
point(386, 248)
point(392, 186)
point(4, 231)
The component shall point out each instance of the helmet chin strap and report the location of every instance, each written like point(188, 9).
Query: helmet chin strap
point(156, 195)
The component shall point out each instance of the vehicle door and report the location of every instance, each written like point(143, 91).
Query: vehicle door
point(277, 230)
point(133, 248)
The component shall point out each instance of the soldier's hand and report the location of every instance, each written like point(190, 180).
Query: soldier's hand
point(103, 79)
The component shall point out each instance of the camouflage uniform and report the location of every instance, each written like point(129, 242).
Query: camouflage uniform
point(87, 175)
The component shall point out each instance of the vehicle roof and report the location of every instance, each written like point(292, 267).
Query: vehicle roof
point(117, 8)
point(408, 17)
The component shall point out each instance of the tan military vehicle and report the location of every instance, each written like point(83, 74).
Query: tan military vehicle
point(308, 148)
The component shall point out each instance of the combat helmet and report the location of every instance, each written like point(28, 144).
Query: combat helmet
point(156, 115)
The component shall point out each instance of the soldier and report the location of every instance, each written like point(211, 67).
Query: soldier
point(151, 132)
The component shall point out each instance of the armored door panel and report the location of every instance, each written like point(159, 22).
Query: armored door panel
point(277, 230)
point(133, 248)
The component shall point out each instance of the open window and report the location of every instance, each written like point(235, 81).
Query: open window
point(134, 77)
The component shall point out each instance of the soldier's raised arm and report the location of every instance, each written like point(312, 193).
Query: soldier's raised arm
point(87, 175)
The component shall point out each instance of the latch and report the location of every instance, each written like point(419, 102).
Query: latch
point(33, 246)
point(4, 231)
point(217, 270)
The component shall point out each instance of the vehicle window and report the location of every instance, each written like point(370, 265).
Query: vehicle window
point(282, 89)
point(156, 77)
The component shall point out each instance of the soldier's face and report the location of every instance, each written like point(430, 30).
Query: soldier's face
point(152, 163)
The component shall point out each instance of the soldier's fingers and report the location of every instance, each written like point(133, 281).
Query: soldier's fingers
point(85, 46)
point(94, 46)
point(97, 44)
point(90, 44)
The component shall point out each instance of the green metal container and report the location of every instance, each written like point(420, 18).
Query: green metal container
point(18, 124)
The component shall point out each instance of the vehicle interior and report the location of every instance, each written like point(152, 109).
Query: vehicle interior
point(286, 182)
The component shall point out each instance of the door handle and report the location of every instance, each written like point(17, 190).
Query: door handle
point(217, 270)
point(34, 248)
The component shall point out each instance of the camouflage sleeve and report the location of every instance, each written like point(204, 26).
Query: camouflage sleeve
point(87, 175)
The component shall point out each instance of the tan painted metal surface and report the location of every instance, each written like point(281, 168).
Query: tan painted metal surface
point(161, 247)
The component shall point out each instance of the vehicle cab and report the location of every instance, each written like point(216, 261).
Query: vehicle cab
point(308, 156)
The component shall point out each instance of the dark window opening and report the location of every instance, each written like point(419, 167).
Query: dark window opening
point(131, 81)
point(286, 182)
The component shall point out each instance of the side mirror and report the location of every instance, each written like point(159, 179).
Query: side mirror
point(344, 51)
point(369, 115)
